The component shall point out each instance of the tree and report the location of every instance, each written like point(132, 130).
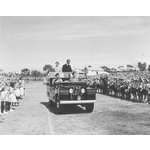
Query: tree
point(36, 74)
point(113, 69)
point(120, 67)
point(25, 71)
point(148, 67)
point(48, 68)
point(142, 66)
point(89, 66)
point(129, 66)
point(105, 68)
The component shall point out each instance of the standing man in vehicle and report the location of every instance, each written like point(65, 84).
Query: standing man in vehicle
point(66, 67)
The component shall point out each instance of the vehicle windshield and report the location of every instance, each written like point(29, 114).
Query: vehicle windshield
point(69, 76)
point(61, 74)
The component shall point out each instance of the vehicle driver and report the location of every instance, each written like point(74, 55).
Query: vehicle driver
point(56, 82)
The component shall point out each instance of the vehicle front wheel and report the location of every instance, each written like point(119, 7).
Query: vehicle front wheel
point(51, 103)
point(89, 107)
point(58, 107)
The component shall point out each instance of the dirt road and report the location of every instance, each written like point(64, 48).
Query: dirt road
point(110, 116)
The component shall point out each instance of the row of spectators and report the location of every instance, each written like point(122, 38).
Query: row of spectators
point(133, 86)
point(11, 91)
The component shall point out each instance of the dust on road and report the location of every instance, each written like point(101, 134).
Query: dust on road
point(110, 116)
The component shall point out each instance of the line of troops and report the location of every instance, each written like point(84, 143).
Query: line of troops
point(12, 91)
point(133, 89)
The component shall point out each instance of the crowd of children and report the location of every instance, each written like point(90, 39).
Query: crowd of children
point(133, 86)
point(12, 91)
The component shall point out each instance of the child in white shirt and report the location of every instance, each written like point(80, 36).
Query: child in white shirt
point(4, 100)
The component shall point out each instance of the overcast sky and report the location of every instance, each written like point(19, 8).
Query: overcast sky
point(32, 42)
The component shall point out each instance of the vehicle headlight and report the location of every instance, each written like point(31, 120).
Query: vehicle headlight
point(70, 91)
point(82, 90)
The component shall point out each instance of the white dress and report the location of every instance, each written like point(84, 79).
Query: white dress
point(12, 97)
point(4, 96)
point(57, 69)
point(22, 91)
point(17, 92)
point(22, 88)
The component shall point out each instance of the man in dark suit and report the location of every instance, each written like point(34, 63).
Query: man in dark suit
point(66, 67)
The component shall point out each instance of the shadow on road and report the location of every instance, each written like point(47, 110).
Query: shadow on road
point(66, 109)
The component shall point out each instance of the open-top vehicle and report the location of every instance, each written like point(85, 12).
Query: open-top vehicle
point(70, 92)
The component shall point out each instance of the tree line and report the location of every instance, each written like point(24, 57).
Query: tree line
point(36, 73)
point(141, 66)
point(49, 68)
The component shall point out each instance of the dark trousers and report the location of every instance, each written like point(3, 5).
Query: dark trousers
point(2, 106)
point(140, 96)
point(7, 108)
point(148, 98)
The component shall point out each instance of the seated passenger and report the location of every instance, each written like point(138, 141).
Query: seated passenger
point(57, 79)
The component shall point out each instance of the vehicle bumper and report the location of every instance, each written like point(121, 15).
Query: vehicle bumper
point(78, 102)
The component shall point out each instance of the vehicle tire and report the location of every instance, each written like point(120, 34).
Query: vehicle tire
point(51, 103)
point(58, 107)
point(89, 108)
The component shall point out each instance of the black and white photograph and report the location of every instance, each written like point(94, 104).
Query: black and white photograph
point(74, 75)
